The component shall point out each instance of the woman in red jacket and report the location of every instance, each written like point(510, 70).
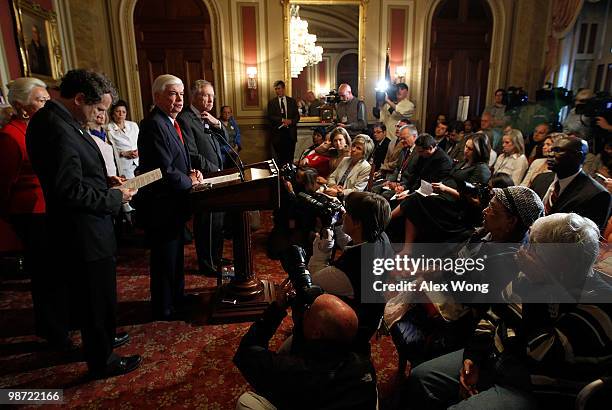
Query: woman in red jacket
point(22, 204)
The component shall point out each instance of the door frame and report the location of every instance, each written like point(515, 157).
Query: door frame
point(501, 11)
point(126, 57)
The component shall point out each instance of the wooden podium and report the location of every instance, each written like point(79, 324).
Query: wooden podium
point(245, 297)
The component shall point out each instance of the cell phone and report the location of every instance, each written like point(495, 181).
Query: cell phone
point(598, 175)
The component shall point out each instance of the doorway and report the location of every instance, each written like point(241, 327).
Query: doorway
point(461, 35)
point(175, 38)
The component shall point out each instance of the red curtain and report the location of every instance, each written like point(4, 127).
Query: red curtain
point(564, 15)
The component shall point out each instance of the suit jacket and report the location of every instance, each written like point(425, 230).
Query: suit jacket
point(432, 169)
point(275, 117)
point(73, 178)
point(357, 179)
point(163, 205)
point(204, 149)
point(583, 196)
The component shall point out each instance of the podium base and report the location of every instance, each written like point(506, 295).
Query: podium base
point(228, 308)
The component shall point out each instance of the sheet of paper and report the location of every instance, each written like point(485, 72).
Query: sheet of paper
point(222, 178)
point(142, 180)
point(426, 189)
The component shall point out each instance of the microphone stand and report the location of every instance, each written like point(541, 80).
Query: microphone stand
point(238, 164)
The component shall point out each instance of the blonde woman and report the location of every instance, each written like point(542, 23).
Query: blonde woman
point(512, 160)
point(539, 166)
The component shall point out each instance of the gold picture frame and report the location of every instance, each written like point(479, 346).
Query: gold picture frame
point(39, 47)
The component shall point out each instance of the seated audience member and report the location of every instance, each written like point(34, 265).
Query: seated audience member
point(408, 157)
point(381, 145)
point(353, 172)
point(495, 135)
point(441, 135)
point(431, 129)
point(456, 141)
point(367, 215)
point(98, 132)
point(418, 334)
point(540, 165)
point(337, 148)
point(432, 165)
point(512, 160)
point(123, 135)
point(393, 152)
point(567, 188)
point(323, 373)
point(600, 163)
point(435, 218)
point(468, 127)
point(535, 143)
point(516, 340)
point(312, 105)
point(233, 136)
point(311, 158)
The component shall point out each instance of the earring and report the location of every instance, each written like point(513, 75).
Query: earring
point(24, 115)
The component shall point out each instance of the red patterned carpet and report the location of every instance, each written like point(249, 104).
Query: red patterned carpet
point(186, 364)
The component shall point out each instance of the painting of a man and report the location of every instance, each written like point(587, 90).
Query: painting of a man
point(38, 54)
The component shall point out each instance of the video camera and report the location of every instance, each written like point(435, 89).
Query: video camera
point(288, 171)
point(598, 106)
point(328, 210)
point(294, 263)
point(332, 98)
point(516, 97)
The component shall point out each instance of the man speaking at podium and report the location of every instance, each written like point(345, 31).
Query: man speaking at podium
point(164, 205)
point(203, 134)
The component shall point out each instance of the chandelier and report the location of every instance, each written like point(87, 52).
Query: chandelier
point(303, 50)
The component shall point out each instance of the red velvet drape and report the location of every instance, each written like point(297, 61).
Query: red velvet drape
point(564, 15)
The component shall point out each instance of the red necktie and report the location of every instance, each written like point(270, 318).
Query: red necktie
point(554, 195)
point(178, 131)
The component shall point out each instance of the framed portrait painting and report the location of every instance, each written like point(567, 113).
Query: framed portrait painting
point(39, 47)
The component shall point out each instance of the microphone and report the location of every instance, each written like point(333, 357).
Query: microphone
point(238, 164)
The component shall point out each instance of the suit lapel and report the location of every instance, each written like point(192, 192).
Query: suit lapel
point(69, 119)
point(569, 192)
point(175, 137)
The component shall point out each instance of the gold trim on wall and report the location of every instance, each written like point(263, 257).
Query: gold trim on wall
point(48, 21)
point(362, 40)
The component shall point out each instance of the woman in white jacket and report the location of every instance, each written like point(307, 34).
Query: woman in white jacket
point(512, 160)
point(124, 137)
point(353, 172)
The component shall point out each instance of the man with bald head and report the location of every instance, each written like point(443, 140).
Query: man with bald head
point(325, 373)
point(567, 188)
point(350, 112)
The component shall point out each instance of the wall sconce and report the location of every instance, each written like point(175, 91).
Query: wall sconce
point(251, 73)
point(400, 73)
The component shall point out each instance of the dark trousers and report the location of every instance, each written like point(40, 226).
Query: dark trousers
point(94, 285)
point(208, 233)
point(167, 274)
point(49, 288)
point(283, 143)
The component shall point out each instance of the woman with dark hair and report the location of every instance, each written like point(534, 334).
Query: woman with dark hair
point(435, 217)
point(337, 148)
point(123, 135)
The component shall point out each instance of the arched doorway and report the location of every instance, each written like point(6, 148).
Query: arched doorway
point(172, 37)
point(347, 71)
point(461, 33)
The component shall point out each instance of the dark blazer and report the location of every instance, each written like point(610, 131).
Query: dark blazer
point(204, 149)
point(432, 169)
point(164, 204)
point(583, 195)
point(73, 178)
point(380, 152)
point(275, 117)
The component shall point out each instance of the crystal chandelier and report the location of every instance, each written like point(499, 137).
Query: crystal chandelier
point(303, 50)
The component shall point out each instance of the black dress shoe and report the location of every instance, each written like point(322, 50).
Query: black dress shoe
point(124, 365)
point(121, 339)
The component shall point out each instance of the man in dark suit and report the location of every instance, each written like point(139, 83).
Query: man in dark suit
point(203, 134)
point(79, 209)
point(432, 165)
point(283, 115)
point(164, 206)
point(568, 188)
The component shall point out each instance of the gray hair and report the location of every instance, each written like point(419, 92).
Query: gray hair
point(164, 80)
point(413, 130)
point(570, 228)
point(199, 85)
point(368, 144)
point(21, 88)
point(517, 140)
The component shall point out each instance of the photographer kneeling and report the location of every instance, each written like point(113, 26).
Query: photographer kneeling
point(367, 215)
point(324, 374)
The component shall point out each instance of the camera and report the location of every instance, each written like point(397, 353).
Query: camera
point(288, 172)
point(294, 263)
point(332, 98)
point(477, 191)
point(516, 97)
point(327, 209)
point(598, 106)
point(554, 97)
